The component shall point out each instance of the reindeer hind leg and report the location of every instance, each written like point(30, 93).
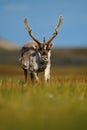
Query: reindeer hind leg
point(32, 76)
point(25, 74)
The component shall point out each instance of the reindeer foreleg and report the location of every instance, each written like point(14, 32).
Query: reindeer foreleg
point(36, 77)
point(47, 73)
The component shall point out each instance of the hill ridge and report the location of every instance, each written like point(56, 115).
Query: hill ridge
point(6, 45)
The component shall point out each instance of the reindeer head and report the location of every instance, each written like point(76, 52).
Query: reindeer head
point(43, 50)
point(44, 47)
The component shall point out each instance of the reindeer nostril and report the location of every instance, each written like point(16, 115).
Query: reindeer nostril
point(44, 58)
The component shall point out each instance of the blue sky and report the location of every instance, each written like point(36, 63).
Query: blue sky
point(43, 16)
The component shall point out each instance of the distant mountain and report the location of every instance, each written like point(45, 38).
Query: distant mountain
point(8, 45)
point(69, 56)
point(10, 54)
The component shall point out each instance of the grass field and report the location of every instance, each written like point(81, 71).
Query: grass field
point(60, 104)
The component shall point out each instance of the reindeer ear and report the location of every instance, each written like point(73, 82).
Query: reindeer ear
point(50, 46)
point(35, 47)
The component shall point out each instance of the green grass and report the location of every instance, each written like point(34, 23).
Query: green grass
point(60, 104)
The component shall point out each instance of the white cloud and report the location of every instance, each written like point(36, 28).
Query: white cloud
point(14, 7)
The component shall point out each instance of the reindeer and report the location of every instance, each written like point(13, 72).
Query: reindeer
point(35, 55)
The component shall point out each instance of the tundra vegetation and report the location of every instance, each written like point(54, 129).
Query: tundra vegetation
point(59, 104)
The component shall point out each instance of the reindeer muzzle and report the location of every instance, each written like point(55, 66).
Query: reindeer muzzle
point(44, 58)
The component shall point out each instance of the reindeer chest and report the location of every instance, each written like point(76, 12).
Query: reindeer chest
point(37, 64)
point(42, 65)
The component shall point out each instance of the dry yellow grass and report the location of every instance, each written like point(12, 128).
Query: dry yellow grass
point(60, 104)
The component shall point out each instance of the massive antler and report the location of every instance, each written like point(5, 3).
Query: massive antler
point(56, 30)
point(30, 31)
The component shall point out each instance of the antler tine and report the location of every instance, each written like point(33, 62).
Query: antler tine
point(30, 31)
point(26, 25)
point(56, 30)
point(60, 22)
